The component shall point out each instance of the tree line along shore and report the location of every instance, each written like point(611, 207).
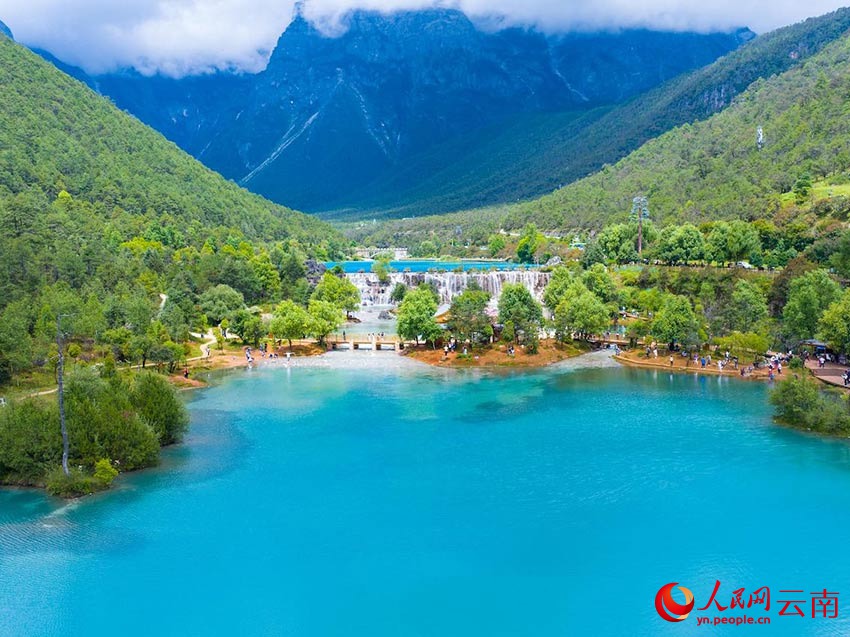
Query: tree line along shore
point(693, 308)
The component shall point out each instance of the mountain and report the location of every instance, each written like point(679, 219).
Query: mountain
point(527, 156)
point(696, 184)
point(336, 122)
point(78, 177)
point(56, 134)
point(6, 30)
point(717, 169)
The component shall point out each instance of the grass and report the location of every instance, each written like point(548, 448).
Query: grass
point(820, 190)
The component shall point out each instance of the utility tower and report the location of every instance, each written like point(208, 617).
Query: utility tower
point(640, 211)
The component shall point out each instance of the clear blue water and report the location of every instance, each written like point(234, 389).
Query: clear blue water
point(322, 502)
point(351, 267)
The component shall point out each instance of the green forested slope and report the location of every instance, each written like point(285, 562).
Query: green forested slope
point(99, 215)
point(55, 134)
point(528, 156)
point(714, 169)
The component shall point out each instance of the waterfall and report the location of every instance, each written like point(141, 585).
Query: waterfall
point(448, 284)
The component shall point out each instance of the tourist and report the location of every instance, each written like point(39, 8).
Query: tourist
point(671, 360)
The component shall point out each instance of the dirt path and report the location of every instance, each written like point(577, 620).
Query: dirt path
point(830, 373)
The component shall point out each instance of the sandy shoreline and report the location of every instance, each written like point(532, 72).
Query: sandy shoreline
point(662, 363)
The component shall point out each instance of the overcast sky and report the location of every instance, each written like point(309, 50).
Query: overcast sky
point(190, 36)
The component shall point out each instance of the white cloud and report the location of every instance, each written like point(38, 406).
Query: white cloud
point(190, 36)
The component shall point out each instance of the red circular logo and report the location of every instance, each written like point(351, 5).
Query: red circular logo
point(669, 608)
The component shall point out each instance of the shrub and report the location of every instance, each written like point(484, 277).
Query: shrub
point(158, 406)
point(30, 442)
point(76, 484)
point(104, 472)
point(800, 402)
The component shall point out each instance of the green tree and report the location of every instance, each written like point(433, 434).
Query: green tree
point(382, 270)
point(840, 259)
point(416, 316)
point(103, 424)
point(834, 325)
point(293, 279)
point(468, 317)
point(800, 402)
point(560, 281)
point(496, 244)
point(743, 242)
point(266, 275)
point(681, 244)
point(518, 306)
point(248, 327)
point(675, 321)
point(802, 188)
point(598, 280)
point(339, 291)
point(794, 399)
point(156, 402)
point(219, 302)
point(529, 241)
point(30, 443)
point(174, 320)
point(580, 312)
point(808, 298)
point(325, 318)
point(397, 295)
point(618, 242)
point(778, 295)
point(104, 472)
point(290, 321)
point(747, 308)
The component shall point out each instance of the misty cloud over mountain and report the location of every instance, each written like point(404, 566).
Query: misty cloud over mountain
point(180, 37)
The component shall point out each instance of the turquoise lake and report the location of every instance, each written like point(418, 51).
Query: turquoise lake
point(318, 501)
point(424, 265)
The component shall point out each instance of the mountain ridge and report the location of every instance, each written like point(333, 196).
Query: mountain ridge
point(336, 119)
point(569, 151)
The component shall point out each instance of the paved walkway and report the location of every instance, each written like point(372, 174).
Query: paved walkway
point(830, 373)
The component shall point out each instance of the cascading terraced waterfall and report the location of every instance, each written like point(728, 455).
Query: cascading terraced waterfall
point(448, 284)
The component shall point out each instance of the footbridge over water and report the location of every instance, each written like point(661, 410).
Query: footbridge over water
point(374, 344)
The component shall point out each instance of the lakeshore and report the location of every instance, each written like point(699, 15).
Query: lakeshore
point(683, 364)
point(496, 356)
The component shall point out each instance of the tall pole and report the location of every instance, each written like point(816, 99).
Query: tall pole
point(60, 371)
point(640, 233)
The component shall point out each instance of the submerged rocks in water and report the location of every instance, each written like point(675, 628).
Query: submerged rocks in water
point(385, 315)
